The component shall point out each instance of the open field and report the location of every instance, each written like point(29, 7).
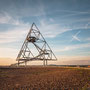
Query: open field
point(44, 78)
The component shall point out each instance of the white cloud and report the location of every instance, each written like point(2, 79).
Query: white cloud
point(73, 47)
point(51, 19)
point(88, 39)
point(74, 37)
point(16, 34)
point(5, 18)
point(26, 9)
point(8, 52)
point(48, 28)
point(72, 13)
point(87, 25)
point(51, 30)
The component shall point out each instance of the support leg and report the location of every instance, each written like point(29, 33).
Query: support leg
point(46, 63)
point(25, 63)
point(43, 62)
point(18, 62)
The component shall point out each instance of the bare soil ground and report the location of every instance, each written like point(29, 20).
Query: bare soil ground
point(44, 78)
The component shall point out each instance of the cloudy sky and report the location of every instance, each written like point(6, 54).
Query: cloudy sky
point(65, 24)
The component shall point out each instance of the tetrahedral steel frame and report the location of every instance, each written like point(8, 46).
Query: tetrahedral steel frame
point(44, 51)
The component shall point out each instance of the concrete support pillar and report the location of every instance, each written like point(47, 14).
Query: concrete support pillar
point(46, 63)
point(25, 63)
point(18, 62)
point(43, 62)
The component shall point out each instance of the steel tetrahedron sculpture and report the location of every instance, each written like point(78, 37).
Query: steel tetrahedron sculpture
point(35, 47)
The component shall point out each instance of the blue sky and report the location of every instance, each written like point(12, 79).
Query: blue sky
point(65, 24)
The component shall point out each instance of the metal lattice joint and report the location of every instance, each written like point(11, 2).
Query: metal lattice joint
point(35, 38)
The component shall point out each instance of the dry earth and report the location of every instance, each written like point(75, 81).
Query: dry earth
point(44, 78)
